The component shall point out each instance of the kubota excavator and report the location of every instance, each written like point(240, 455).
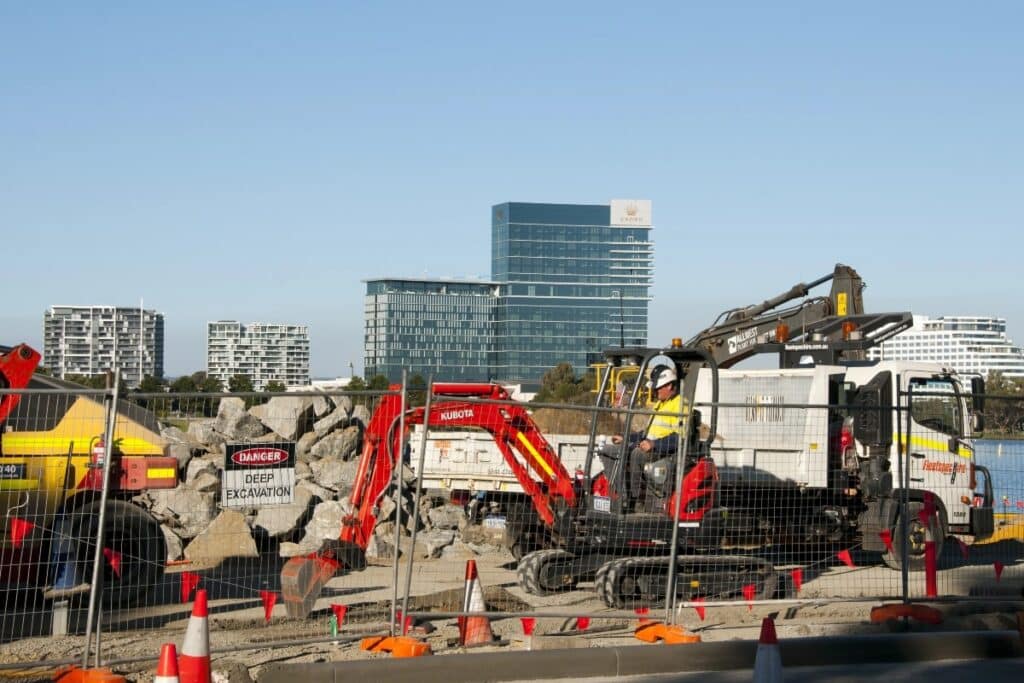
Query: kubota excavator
point(579, 521)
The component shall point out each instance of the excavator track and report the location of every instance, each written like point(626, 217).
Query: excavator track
point(640, 582)
point(544, 572)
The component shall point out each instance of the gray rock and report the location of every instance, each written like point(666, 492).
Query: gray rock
point(324, 426)
point(203, 431)
point(360, 415)
point(227, 536)
point(435, 541)
point(325, 524)
point(303, 470)
point(202, 475)
point(281, 520)
point(286, 415)
point(180, 445)
point(180, 452)
point(321, 406)
point(316, 490)
point(185, 511)
point(334, 473)
point(457, 551)
point(446, 517)
point(342, 445)
point(174, 546)
point(379, 552)
point(235, 423)
point(303, 446)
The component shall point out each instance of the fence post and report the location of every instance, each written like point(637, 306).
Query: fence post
point(903, 451)
point(416, 499)
point(95, 592)
point(399, 482)
point(682, 448)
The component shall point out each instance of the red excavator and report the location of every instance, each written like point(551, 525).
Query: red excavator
point(580, 526)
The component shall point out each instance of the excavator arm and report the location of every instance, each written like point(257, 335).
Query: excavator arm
point(16, 368)
point(531, 458)
point(738, 333)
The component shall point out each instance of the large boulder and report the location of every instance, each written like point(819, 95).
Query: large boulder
point(228, 536)
point(280, 520)
point(288, 416)
point(335, 473)
point(186, 511)
point(341, 445)
point(204, 432)
point(325, 525)
point(235, 423)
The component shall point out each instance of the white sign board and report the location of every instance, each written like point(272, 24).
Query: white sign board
point(631, 212)
point(257, 475)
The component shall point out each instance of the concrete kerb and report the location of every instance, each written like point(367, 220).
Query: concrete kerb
point(639, 660)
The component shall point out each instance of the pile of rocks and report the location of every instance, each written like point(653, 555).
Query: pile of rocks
point(327, 432)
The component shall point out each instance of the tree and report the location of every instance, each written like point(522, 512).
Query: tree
point(275, 386)
point(150, 384)
point(184, 385)
point(91, 381)
point(356, 384)
point(560, 385)
point(1004, 404)
point(378, 383)
point(417, 387)
point(239, 383)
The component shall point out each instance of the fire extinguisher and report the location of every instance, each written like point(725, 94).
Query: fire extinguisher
point(97, 453)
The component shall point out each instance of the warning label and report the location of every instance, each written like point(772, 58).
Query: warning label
point(260, 475)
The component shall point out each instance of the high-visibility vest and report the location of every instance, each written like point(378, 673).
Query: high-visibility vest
point(669, 418)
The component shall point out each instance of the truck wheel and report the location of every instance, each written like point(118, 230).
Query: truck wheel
point(916, 536)
point(137, 550)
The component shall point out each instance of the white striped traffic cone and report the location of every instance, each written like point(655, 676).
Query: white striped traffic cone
point(167, 667)
point(768, 662)
point(476, 630)
point(194, 662)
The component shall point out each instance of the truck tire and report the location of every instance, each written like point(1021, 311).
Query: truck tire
point(915, 541)
point(138, 551)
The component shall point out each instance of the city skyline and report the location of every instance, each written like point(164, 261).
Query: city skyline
point(260, 165)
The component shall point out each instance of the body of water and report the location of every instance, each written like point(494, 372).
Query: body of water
point(1005, 460)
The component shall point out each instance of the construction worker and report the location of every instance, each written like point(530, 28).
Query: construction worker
point(661, 438)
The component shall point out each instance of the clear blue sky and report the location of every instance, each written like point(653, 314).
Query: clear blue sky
point(256, 161)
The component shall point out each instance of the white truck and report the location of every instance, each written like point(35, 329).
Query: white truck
point(824, 451)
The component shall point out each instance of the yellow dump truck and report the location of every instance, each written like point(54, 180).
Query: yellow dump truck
point(51, 476)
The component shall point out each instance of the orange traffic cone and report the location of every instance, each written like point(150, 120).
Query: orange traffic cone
point(768, 662)
point(475, 630)
point(167, 667)
point(194, 662)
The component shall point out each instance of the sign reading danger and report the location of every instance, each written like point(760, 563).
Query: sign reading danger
point(258, 474)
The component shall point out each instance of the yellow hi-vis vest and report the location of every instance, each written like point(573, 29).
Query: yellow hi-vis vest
point(669, 418)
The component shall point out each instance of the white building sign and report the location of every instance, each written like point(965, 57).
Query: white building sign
point(631, 212)
point(256, 475)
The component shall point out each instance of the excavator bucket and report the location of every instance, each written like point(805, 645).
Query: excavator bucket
point(303, 578)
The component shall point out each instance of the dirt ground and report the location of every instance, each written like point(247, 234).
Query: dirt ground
point(832, 599)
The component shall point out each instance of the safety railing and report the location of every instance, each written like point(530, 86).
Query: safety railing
point(496, 518)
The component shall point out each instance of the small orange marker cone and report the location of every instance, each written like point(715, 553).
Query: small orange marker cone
point(528, 625)
point(189, 581)
point(194, 661)
point(339, 613)
point(886, 536)
point(167, 667)
point(798, 578)
point(846, 558)
point(699, 607)
point(19, 530)
point(269, 600)
point(748, 594)
point(768, 662)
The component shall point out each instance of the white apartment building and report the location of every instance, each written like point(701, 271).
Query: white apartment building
point(969, 344)
point(263, 352)
point(91, 340)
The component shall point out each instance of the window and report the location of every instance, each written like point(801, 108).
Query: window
point(935, 405)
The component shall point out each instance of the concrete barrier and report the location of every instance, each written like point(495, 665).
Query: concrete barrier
point(658, 659)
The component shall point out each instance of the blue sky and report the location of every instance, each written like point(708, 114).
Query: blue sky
point(256, 161)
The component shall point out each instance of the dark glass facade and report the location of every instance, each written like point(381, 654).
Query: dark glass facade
point(572, 285)
point(436, 328)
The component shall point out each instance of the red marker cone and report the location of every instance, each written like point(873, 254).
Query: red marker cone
point(844, 555)
point(189, 581)
point(339, 613)
point(798, 578)
point(582, 623)
point(269, 600)
point(768, 663)
point(748, 594)
point(167, 667)
point(998, 566)
point(19, 530)
point(194, 661)
point(528, 624)
point(886, 536)
point(477, 629)
point(114, 560)
point(699, 607)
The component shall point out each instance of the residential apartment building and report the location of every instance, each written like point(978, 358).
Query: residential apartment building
point(969, 344)
point(91, 340)
point(575, 280)
point(263, 352)
point(440, 328)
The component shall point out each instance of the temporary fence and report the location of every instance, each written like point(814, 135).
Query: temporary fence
point(113, 519)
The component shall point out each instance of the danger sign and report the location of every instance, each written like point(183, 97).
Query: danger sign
point(257, 475)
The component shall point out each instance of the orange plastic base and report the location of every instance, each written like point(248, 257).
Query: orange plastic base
point(653, 631)
point(398, 646)
point(74, 674)
point(922, 613)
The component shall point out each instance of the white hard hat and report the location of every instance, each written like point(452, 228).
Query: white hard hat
point(660, 376)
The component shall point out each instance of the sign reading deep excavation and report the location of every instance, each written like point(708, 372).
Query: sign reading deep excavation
point(255, 475)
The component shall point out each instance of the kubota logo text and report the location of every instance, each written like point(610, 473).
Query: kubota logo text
point(259, 456)
point(461, 414)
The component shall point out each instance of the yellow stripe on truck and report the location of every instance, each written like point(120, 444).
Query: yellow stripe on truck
point(161, 473)
point(936, 445)
point(44, 443)
point(536, 456)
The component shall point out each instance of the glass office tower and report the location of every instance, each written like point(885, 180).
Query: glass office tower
point(432, 327)
point(575, 280)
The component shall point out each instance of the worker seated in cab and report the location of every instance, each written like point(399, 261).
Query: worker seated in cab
point(652, 451)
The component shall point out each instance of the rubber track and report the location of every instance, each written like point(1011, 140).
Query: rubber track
point(532, 565)
point(610, 575)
